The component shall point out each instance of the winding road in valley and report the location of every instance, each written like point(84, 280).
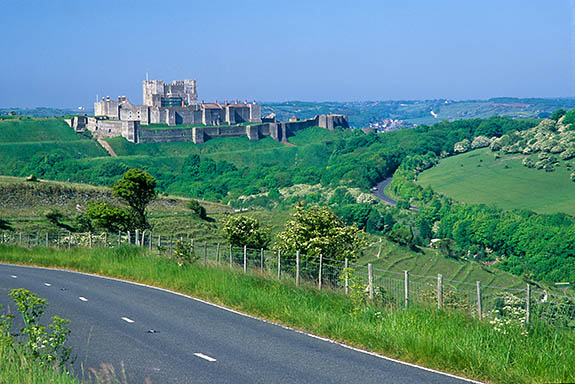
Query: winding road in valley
point(379, 192)
point(173, 338)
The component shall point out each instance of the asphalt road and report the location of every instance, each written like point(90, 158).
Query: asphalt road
point(171, 338)
point(380, 194)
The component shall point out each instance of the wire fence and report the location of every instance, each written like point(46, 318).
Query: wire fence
point(388, 289)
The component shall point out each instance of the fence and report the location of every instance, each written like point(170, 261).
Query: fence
point(389, 289)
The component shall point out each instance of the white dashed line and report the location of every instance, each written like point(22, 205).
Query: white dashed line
point(128, 320)
point(82, 298)
point(205, 357)
point(48, 284)
point(14, 276)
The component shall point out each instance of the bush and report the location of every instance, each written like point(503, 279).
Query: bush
point(197, 208)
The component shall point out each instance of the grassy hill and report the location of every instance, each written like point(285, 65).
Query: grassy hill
point(478, 177)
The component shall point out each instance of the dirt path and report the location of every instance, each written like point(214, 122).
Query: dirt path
point(107, 147)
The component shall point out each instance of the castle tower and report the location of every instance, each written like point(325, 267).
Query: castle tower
point(152, 88)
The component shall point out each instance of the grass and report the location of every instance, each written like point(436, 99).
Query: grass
point(14, 131)
point(477, 177)
point(17, 368)
point(442, 340)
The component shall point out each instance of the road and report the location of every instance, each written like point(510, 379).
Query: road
point(380, 194)
point(172, 338)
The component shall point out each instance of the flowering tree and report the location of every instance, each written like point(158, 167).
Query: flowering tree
point(245, 231)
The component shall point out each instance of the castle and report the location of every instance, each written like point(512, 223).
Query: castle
point(176, 104)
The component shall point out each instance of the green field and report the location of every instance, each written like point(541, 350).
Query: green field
point(477, 177)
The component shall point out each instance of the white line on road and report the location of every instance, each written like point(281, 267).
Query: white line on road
point(48, 284)
point(14, 276)
point(126, 319)
point(205, 357)
point(82, 298)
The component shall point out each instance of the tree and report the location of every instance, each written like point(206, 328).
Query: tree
point(138, 188)
point(245, 231)
point(198, 209)
point(317, 230)
point(107, 217)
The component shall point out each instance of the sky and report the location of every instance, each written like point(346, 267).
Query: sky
point(64, 53)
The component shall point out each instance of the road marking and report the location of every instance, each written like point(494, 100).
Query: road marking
point(205, 357)
point(82, 298)
point(252, 317)
point(48, 284)
point(128, 320)
point(14, 276)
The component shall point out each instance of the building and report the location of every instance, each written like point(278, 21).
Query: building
point(173, 104)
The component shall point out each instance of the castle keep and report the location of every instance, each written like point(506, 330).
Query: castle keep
point(176, 104)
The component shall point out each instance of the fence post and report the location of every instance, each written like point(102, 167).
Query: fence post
point(319, 272)
point(143, 239)
point(370, 280)
point(106, 239)
point(297, 268)
point(528, 304)
point(406, 288)
point(58, 240)
point(205, 253)
point(20, 238)
point(245, 258)
point(119, 238)
point(279, 264)
point(231, 258)
point(346, 266)
point(218, 253)
point(129, 238)
point(478, 284)
point(262, 261)
point(159, 241)
point(151, 237)
point(90, 239)
point(69, 239)
point(46, 239)
point(439, 291)
point(137, 237)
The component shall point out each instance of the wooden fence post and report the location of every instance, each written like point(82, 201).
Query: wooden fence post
point(439, 291)
point(106, 239)
point(370, 280)
point(218, 253)
point(20, 238)
point(279, 264)
point(46, 239)
point(262, 261)
point(137, 237)
point(69, 239)
point(346, 266)
point(406, 288)
point(319, 272)
point(478, 284)
point(58, 240)
point(245, 258)
point(528, 304)
point(129, 238)
point(151, 237)
point(90, 239)
point(159, 241)
point(297, 268)
point(231, 257)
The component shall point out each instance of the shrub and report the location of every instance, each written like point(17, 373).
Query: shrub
point(197, 208)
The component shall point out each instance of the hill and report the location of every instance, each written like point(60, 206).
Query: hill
point(479, 177)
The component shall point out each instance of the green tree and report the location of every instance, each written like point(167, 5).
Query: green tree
point(317, 230)
point(558, 114)
point(108, 217)
point(138, 188)
point(197, 208)
point(245, 231)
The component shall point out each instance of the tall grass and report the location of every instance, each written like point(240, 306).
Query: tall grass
point(443, 340)
point(17, 368)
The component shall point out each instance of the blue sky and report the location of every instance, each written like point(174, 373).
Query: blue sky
point(63, 53)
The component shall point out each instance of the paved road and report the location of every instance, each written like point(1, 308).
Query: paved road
point(192, 341)
point(380, 194)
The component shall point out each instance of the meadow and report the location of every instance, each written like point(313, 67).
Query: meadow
point(479, 177)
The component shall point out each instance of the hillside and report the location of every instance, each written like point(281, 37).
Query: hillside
point(479, 177)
